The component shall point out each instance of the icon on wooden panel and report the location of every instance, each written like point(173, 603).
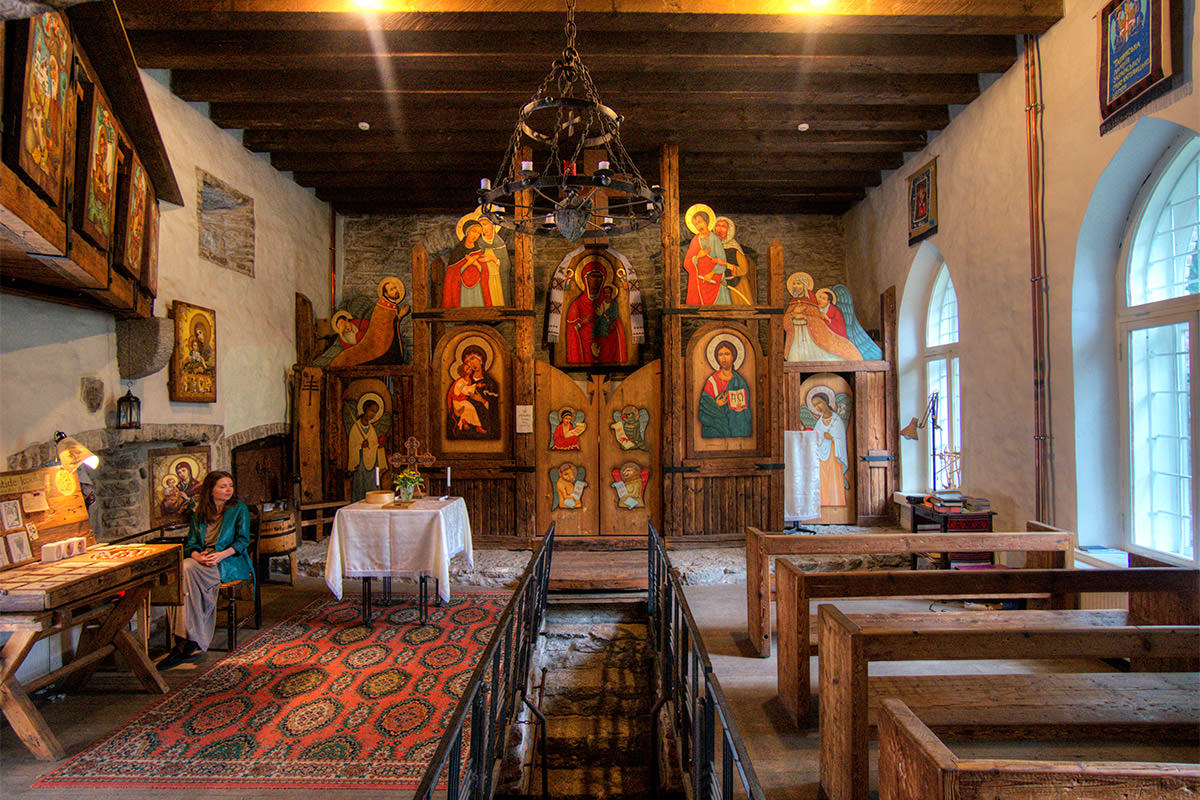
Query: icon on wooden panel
point(175, 477)
point(193, 373)
point(719, 273)
point(478, 267)
point(629, 482)
point(566, 426)
point(367, 418)
point(820, 325)
point(725, 410)
point(379, 342)
point(569, 481)
point(595, 310)
point(44, 104)
point(100, 191)
point(473, 399)
point(827, 412)
point(629, 427)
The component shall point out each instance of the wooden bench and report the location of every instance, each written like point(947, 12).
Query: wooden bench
point(1175, 590)
point(1018, 704)
point(1045, 547)
point(914, 764)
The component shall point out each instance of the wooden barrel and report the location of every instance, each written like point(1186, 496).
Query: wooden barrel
point(277, 533)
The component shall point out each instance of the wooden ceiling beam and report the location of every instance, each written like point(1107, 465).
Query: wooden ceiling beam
point(408, 51)
point(979, 17)
point(328, 86)
point(426, 116)
point(723, 141)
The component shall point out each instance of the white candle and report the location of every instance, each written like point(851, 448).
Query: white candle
point(527, 166)
point(447, 479)
point(485, 183)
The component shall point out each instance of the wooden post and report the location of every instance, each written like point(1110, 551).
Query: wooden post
point(673, 422)
point(758, 592)
point(422, 347)
point(775, 399)
point(792, 659)
point(308, 434)
point(891, 409)
point(523, 378)
point(843, 700)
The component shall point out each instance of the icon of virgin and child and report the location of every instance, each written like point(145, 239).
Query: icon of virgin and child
point(595, 330)
point(472, 402)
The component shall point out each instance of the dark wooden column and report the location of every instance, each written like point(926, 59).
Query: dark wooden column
point(775, 339)
point(422, 385)
point(673, 444)
point(523, 450)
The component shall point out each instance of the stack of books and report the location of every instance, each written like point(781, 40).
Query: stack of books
point(976, 504)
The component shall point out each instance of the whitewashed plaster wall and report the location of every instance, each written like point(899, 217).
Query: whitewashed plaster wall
point(983, 234)
point(46, 348)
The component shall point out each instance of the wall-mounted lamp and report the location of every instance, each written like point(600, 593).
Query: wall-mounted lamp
point(72, 455)
point(129, 411)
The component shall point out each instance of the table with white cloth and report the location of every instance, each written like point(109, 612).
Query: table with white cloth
point(370, 541)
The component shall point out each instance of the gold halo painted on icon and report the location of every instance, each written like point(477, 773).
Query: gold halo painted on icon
point(464, 219)
point(831, 299)
point(583, 268)
point(388, 281)
point(804, 280)
point(822, 390)
point(739, 350)
point(699, 208)
point(343, 314)
point(362, 401)
point(464, 343)
point(732, 228)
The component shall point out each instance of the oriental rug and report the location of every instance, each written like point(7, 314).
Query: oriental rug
point(319, 700)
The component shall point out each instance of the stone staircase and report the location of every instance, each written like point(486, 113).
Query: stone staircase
point(595, 661)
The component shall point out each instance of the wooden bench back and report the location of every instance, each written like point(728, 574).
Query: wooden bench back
point(914, 764)
point(1046, 549)
point(1177, 588)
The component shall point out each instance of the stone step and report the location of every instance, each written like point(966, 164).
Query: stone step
point(580, 741)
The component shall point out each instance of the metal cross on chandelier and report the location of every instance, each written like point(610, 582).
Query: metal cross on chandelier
point(565, 118)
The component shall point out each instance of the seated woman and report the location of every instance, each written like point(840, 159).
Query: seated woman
point(215, 552)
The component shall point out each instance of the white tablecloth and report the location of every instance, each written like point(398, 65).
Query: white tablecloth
point(368, 541)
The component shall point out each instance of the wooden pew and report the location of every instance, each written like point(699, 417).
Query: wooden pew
point(1045, 549)
point(1027, 704)
point(914, 764)
point(1175, 590)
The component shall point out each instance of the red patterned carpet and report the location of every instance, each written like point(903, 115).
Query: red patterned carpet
point(319, 700)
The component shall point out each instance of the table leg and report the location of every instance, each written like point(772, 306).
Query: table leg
point(117, 619)
point(18, 708)
point(423, 599)
point(387, 592)
point(366, 601)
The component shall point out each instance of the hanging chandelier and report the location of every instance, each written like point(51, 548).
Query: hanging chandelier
point(564, 119)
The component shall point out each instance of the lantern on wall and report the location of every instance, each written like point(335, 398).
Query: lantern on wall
point(129, 411)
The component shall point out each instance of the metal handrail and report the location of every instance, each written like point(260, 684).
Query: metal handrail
point(687, 684)
point(490, 701)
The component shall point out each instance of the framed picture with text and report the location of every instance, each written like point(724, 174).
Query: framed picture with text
point(922, 203)
point(1136, 51)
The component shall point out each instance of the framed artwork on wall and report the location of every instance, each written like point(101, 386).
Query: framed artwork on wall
point(41, 153)
point(193, 376)
point(175, 477)
point(1136, 52)
point(922, 203)
point(722, 390)
point(100, 174)
point(133, 221)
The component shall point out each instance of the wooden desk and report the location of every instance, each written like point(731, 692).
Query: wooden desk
point(101, 589)
point(368, 541)
point(927, 517)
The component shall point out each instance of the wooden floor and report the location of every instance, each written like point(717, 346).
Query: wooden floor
point(785, 757)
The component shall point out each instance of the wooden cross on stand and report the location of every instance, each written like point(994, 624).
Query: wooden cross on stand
point(414, 459)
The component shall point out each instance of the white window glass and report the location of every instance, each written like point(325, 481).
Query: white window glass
point(941, 325)
point(1166, 257)
point(1160, 439)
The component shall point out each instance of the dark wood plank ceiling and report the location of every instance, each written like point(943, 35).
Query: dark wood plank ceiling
point(440, 87)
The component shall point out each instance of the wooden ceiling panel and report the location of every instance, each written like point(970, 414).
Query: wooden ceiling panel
point(438, 84)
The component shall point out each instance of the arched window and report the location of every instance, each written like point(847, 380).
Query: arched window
point(1158, 325)
point(941, 376)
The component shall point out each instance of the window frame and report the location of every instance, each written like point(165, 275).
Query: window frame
point(950, 407)
point(1137, 244)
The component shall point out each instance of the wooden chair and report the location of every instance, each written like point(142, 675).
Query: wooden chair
point(247, 589)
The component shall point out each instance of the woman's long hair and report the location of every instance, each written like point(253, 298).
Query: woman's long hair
point(206, 509)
